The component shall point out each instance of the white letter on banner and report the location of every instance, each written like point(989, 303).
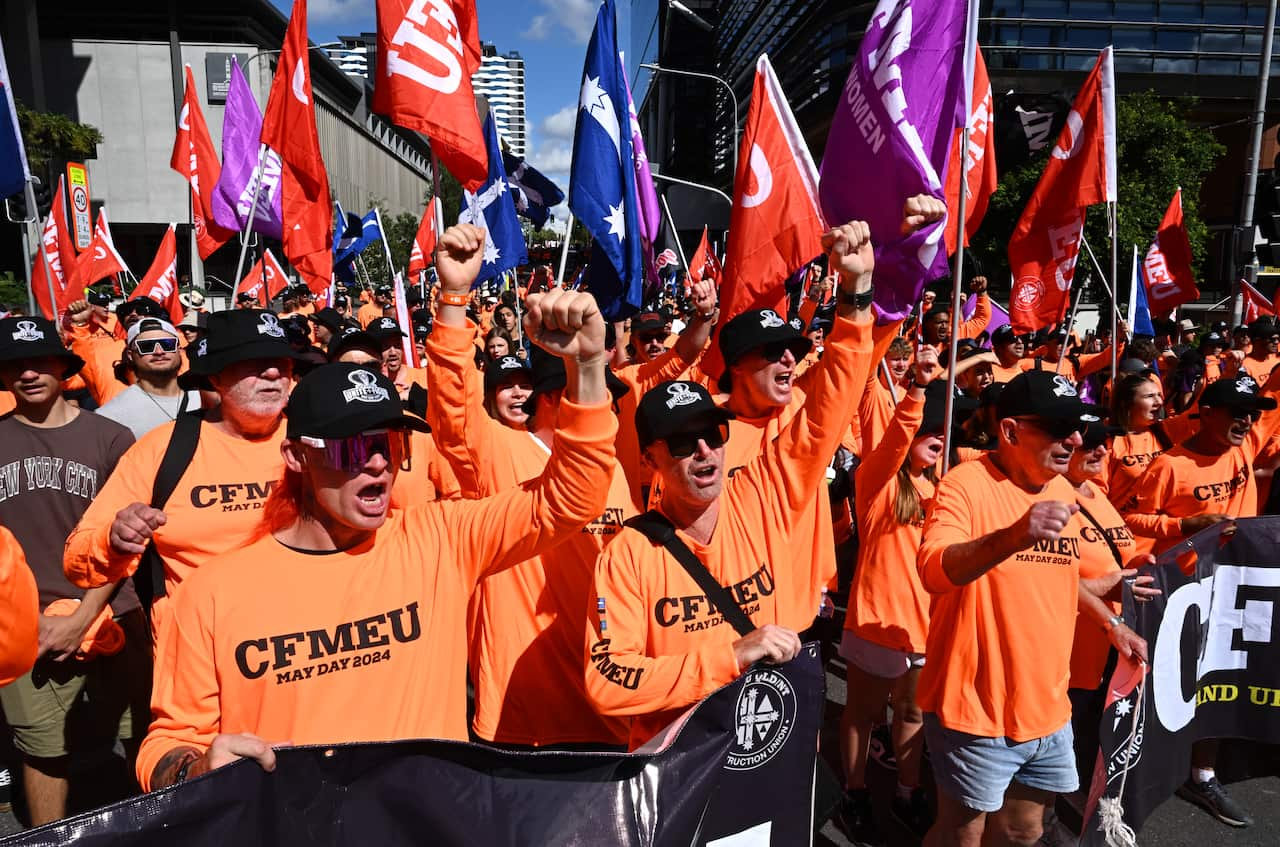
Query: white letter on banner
point(1253, 620)
point(756, 836)
point(412, 32)
point(1172, 709)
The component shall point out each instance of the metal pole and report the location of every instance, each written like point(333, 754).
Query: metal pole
point(733, 98)
point(1097, 267)
point(32, 208)
point(1255, 152)
point(697, 185)
point(1113, 211)
point(386, 248)
point(1066, 330)
point(253, 210)
point(671, 223)
point(956, 288)
point(564, 250)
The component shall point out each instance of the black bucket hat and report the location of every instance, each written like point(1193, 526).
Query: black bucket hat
point(34, 338)
point(235, 335)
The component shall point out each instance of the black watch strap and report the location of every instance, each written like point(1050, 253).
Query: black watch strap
point(859, 300)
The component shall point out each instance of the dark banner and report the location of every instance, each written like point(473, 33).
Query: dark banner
point(1214, 668)
point(736, 771)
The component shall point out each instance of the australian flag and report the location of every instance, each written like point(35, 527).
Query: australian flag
point(602, 182)
point(13, 157)
point(534, 193)
point(494, 208)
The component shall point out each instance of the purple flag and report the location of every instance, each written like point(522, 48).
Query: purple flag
point(650, 216)
point(999, 317)
point(891, 136)
point(233, 195)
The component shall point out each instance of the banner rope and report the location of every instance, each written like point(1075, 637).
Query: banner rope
point(1115, 831)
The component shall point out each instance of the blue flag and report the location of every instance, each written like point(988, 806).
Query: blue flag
point(1139, 311)
point(534, 193)
point(493, 208)
point(602, 181)
point(14, 172)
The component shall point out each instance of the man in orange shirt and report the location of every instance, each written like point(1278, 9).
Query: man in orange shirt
point(1008, 347)
point(218, 498)
point(937, 321)
point(1001, 555)
point(343, 607)
point(656, 643)
point(1264, 351)
point(94, 338)
point(372, 310)
point(390, 335)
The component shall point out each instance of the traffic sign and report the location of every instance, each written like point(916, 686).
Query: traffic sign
point(82, 220)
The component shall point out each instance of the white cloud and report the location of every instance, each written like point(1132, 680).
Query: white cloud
point(539, 28)
point(577, 17)
point(561, 124)
point(338, 11)
point(553, 156)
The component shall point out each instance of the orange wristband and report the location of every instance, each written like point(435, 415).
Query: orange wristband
point(448, 299)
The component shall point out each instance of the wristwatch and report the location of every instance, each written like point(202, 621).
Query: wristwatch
point(1112, 622)
point(858, 299)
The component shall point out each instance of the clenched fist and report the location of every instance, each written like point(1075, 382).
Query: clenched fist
point(849, 252)
point(1045, 521)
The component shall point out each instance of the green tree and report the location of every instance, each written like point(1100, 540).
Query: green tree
point(50, 138)
point(1157, 150)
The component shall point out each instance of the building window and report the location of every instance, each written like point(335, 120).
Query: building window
point(1180, 10)
point(1135, 11)
point(1092, 37)
point(1090, 10)
point(1134, 38)
point(1182, 41)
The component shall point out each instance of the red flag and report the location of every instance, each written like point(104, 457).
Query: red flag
point(161, 280)
point(289, 128)
point(979, 164)
point(776, 220)
point(60, 255)
point(1167, 267)
point(1081, 172)
point(704, 264)
point(1255, 305)
point(424, 243)
point(196, 159)
point(407, 347)
point(267, 274)
point(423, 82)
point(100, 259)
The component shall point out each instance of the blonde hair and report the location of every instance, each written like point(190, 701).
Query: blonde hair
point(907, 508)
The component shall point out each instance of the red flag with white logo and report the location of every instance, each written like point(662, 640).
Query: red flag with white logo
point(1167, 266)
point(1081, 172)
point(100, 260)
point(59, 254)
point(267, 276)
point(979, 164)
point(195, 158)
point(776, 221)
point(427, 51)
point(289, 128)
point(704, 264)
point(1255, 305)
point(161, 280)
point(424, 243)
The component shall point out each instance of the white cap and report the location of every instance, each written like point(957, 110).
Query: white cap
point(149, 325)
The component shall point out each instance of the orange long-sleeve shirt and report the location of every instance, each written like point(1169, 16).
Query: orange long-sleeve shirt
point(525, 622)
point(999, 648)
point(364, 644)
point(655, 644)
point(100, 352)
point(212, 511)
point(1132, 453)
point(19, 625)
point(1091, 645)
point(875, 407)
point(640, 378)
point(888, 605)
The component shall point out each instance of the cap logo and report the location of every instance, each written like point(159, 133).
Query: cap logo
point(1090, 418)
point(202, 347)
point(1245, 384)
point(27, 332)
point(509, 363)
point(386, 323)
point(270, 325)
point(769, 319)
point(1062, 387)
point(348, 330)
point(681, 394)
point(796, 324)
point(366, 388)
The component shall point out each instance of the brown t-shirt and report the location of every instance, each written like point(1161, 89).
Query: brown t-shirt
point(47, 479)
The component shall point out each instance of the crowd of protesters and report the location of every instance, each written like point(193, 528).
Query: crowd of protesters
point(245, 529)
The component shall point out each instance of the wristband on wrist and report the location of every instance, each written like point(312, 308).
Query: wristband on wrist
point(915, 383)
point(858, 299)
point(450, 299)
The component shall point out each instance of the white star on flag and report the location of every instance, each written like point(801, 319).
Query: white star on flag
point(1123, 708)
point(491, 251)
point(617, 221)
point(599, 106)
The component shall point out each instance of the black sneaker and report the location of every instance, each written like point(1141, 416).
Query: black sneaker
point(1215, 800)
point(914, 814)
point(880, 748)
point(6, 791)
point(856, 820)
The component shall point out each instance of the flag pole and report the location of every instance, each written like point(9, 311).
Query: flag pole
point(26, 244)
point(437, 222)
point(957, 285)
point(386, 248)
point(44, 257)
point(1066, 330)
point(1112, 210)
point(564, 250)
point(671, 223)
point(253, 210)
point(1097, 267)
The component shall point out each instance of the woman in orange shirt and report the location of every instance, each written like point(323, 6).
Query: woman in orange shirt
point(1139, 401)
point(888, 618)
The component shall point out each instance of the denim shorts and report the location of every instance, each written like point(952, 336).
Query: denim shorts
point(977, 771)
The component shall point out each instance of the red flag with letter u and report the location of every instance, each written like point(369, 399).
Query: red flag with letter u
point(196, 159)
point(427, 51)
point(1167, 266)
point(289, 128)
point(161, 280)
point(100, 259)
point(1081, 172)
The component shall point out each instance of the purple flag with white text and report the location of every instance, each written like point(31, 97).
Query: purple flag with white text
point(891, 135)
point(233, 195)
point(650, 215)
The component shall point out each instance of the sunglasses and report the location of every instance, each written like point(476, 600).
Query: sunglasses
point(149, 346)
point(681, 445)
point(1058, 429)
point(650, 337)
point(352, 453)
point(774, 351)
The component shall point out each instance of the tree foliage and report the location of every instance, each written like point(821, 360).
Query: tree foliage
point(50, 137)
point(1157, 150)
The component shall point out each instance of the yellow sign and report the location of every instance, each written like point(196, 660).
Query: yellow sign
point(78, 188)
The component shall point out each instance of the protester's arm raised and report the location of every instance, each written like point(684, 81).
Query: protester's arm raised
point(974, 326)
point(876, 475)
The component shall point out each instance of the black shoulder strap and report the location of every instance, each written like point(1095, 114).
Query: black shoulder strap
point(1115, 551)
point(654, 526)
point(1039, 363)
point(1162, 437)
point(148, 579)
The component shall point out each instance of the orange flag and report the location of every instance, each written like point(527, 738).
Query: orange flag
point(59, 254)
point(195, 158)
point(704, 264)
point(424, 243)
point(161, 280)
point(979, 164)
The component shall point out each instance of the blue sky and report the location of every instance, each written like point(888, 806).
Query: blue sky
point(552, 37)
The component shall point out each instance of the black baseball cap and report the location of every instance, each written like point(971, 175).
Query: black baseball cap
point(98, 296)
point(385, 329)
point(1239, 394)
point(329, 319)
point(235, 335)
point(1133, 365)
point(35, 338)
point(352, 338)
point(342, 399)
point(499, 371)
point(676, 406)
point(1263, 327)
point(548, 374)
point(246, 297)
point(934, 420)
point(1043, 394)
point(1097, 432)
point(1004, 334)
point(648, 322)
point(142, 305)
point(757, 328)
